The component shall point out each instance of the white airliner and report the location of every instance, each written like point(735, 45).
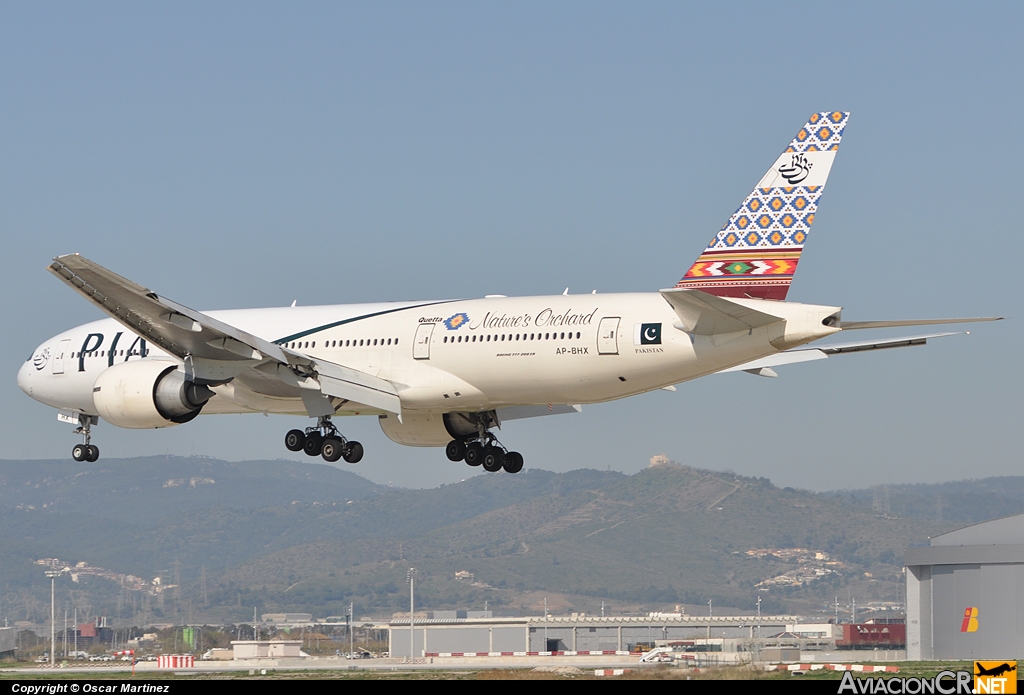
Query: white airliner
point(448, 373)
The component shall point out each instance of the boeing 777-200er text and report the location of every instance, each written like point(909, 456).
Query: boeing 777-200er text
point(449, 373)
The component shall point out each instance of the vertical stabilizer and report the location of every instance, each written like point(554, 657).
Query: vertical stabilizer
point(756, 253)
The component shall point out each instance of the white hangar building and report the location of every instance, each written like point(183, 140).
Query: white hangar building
point(965, 593)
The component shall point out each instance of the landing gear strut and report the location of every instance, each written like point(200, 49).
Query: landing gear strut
point(323, 439)
point(484, 450)
point(85, 451)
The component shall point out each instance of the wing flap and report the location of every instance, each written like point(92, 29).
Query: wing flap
point(353, 385)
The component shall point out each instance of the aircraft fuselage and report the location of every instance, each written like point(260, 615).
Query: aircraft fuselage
point(455, 355)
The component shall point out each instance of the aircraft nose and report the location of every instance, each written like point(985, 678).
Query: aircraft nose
point(24, 377)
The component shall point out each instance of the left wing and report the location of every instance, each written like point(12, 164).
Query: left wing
point(214, 351)
point(763, 366)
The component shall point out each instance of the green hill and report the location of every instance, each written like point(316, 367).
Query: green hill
point(309, 537)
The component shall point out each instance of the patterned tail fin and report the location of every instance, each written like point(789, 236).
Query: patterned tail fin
point(756, 253)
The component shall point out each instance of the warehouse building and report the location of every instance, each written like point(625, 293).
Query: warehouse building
point(8, 641)
point(573, 634)
point(965, 593)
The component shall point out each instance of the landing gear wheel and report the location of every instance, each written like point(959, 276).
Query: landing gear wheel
point(456, 450)
point(332, 449)
point(494, 459)
point(475, 454)
point(354, 453)
point(94, 453)
point(314, 444)
point(513, 462)
point(294, 440)
point(80, 452)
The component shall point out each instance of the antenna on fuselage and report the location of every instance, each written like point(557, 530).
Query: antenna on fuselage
point(566, 292)
point(294, 301)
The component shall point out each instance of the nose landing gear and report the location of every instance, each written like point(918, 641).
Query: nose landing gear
point(85, 451)
point(323, 439)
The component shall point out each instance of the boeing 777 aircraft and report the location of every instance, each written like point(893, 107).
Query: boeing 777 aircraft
point(449, 373)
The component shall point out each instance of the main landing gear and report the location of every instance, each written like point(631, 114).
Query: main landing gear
point(484, 450)
point(85, 451)
point(324, 440)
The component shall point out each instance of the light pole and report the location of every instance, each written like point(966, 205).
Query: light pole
point(758, 643)
point(412, 607)
point(53, 574)
point(545, 623)
point(759, 616)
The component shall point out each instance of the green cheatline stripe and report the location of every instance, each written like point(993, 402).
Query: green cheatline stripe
point(311, 331)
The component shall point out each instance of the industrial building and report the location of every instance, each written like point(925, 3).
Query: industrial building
point(8, 641)
point(965, 593)
point(442, 634)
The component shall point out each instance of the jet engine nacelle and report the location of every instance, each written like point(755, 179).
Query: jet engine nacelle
point(146, 394)
point(434, 429)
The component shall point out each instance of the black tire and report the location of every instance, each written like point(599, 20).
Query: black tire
point(354, 453)
point(79, 452)
point(332, 449)
point(456, 450)
point(314, 444)
point(474, 454)
point(294, 440)
point(94, 453)
point(513, 462)
point(494, 459)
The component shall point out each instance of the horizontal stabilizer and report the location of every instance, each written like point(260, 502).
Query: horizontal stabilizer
point(791, 357)
point(854, 325)
point(823, 351)
point(701, 313)
point(866, 345)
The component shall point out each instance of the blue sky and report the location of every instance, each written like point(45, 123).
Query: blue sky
point(252, 154)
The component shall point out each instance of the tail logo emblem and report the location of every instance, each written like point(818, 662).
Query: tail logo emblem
point(797, 170)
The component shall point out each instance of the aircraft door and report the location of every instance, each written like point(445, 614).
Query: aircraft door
point(608, 336)
point(421, 343)
point(58, 356)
